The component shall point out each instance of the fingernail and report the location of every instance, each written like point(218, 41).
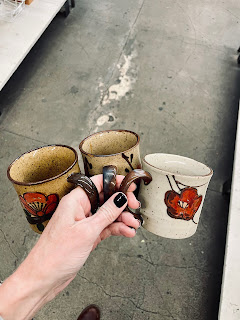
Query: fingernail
point(120, 200)
point(138, 222)
point(139, 204)
point(133, 229)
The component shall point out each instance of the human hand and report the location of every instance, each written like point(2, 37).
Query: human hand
point(64, 246)
point(72, 233)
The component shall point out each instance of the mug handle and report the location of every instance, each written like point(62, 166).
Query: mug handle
point(109, 181)
point(133, 176)
point(88, 186)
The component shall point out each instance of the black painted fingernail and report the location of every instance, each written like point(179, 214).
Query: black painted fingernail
point(120, 200)
point(132, 228)
point(139, 219)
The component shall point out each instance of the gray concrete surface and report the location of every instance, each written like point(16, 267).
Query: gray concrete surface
point(167, 70)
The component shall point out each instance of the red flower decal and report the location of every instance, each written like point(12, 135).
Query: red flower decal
point(37, 204)
point(184, 205)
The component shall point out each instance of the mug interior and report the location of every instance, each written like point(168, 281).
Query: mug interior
point(175, 164)
point(42, 164)
point(109, 142)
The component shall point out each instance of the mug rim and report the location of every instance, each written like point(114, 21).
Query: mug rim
point(46, 180)
point(180, 174)
point(112, 154)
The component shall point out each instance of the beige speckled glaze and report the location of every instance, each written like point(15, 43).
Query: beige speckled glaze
point(40, 180)
point(114, 147)
point(172, 202)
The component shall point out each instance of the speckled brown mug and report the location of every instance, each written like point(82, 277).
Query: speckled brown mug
point(40, 180)
point(112, 147)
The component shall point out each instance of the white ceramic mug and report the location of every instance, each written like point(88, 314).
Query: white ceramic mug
point(172, 202)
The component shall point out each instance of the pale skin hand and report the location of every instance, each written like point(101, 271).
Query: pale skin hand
point(63, 248)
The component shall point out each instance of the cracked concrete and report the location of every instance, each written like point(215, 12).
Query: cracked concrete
point(182, 99)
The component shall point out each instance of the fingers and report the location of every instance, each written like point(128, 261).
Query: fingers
point(77, 198)
point(128, 219)
point(73, 206)
point(109, 211)
point(132, 201)
point(118, 229)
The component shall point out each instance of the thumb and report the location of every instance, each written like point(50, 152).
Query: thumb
point(110, 211)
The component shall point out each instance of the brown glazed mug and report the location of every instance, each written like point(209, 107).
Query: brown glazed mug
point(112, 147)
point(41, 177)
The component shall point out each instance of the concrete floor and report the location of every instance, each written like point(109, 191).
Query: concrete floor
point(167, 70)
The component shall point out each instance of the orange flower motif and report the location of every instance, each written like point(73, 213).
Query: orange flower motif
point(37, 204)
point(184, 205)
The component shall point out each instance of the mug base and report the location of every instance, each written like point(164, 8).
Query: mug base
point(169, 234)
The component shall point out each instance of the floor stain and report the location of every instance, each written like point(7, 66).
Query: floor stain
point(74, 90)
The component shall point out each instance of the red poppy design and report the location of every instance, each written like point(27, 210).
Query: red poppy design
point(184, 205)
point(37, 204)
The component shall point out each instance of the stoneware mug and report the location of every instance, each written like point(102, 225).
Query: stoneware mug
point(112, 147)
point(40, 180)
point(172, 202)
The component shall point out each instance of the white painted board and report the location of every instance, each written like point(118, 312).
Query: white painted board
point(18, 37)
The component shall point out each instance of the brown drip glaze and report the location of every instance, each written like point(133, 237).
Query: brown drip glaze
point(109, 181)
point(126, 158)
point(131, 177)
point(88, 186)
point(87, 166)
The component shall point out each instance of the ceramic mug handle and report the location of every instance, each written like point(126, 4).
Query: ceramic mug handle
point(131, 177)
point(88, 186)
point(109, 181)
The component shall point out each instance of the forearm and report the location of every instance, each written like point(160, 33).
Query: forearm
point(31, 286)
point(22, 295)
